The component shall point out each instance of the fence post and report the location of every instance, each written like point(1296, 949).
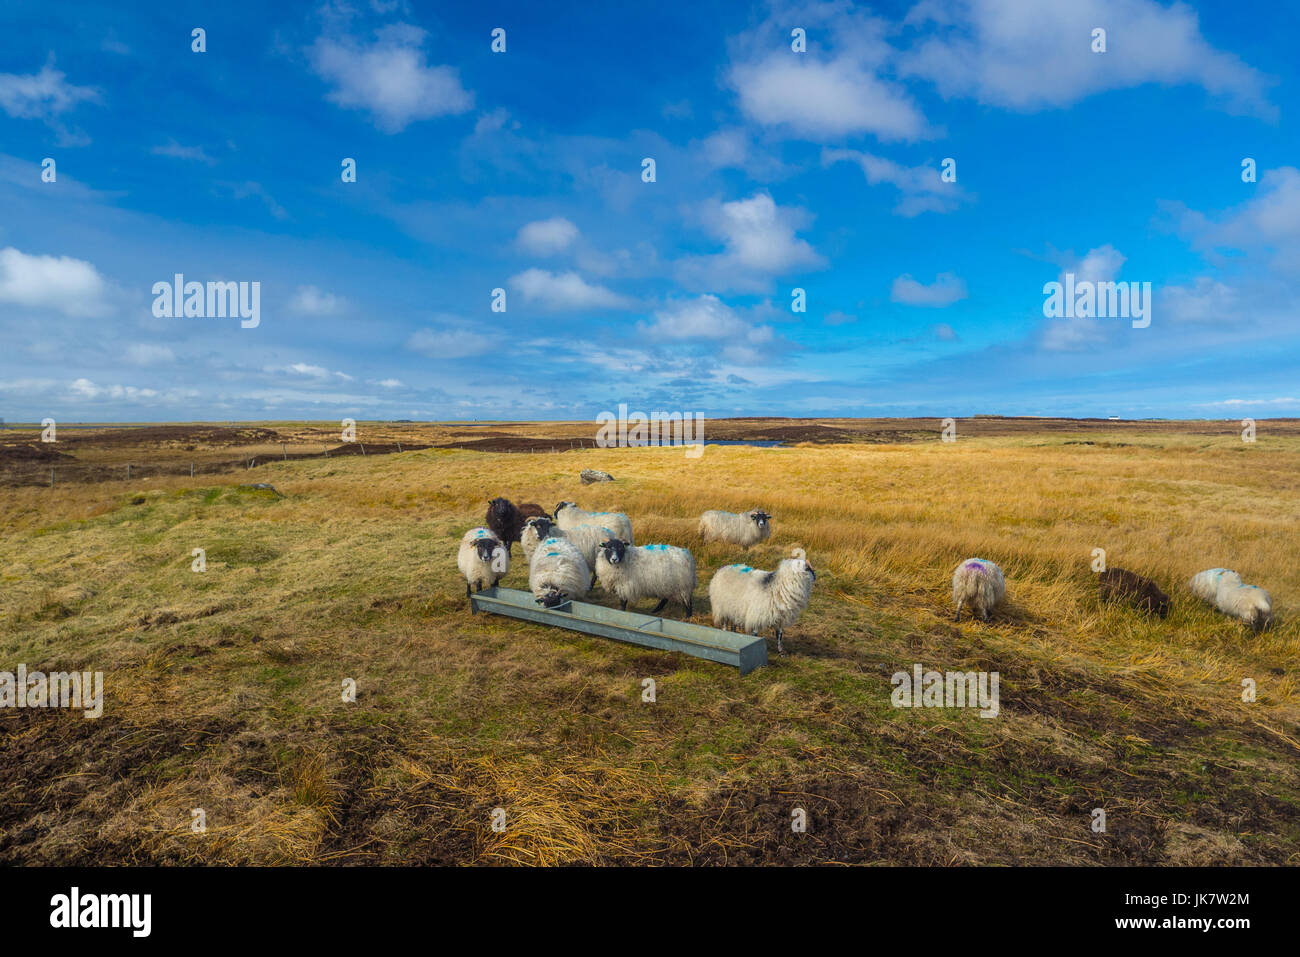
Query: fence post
point(128, 471)
point(363, 449)
point(51, 478)
point(284, 450)
point(399, 446)
point(191, 470)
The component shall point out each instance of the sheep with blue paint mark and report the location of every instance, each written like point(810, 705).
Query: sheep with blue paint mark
point(568, 515)
point(587, 538)
point(483, 559)
point(1224, 589)
point(634, 572)
point(558, 573)
point(979, 583)
point(1205, 585)
point(751, 600)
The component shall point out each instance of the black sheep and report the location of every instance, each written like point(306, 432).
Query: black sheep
point(507, 520)
point(1116, 584)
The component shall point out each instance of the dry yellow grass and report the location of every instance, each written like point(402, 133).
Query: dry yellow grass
point(223, 688)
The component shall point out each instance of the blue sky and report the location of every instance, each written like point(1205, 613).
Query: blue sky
point(775, 170)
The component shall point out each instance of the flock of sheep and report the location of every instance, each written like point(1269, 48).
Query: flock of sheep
point(571, 551)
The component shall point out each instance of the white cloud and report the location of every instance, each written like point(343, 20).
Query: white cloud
point(816, 98)
point(71, 286)
point(944, 291)
point(147, 353)
point(565, 291)
point(546, 237)
point(1028, 55)
point(709, 319)
point(451, 337)
point(307, 370)
point(310, 301)
point(391, 384)
point(389, 78)
point(922, 186)
point(177, 151)
point(40, 96)
point(760, 243)
point(86, 389)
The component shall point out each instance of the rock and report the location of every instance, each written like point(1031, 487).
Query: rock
point(592, 475)
point(263, 487)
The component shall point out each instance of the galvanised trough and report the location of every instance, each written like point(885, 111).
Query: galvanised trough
point(745, 652)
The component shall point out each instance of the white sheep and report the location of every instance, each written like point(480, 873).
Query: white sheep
point(1249, 603)
point(1205, 585)
point(647, 571)
point(558, 573)
point(482, 559)
point(749, 600)
point(587, 538)
point(748, 528)
point(568, 515)
point(1224, 589)
point(979, 582)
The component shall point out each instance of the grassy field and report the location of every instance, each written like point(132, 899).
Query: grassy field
point(223, 688)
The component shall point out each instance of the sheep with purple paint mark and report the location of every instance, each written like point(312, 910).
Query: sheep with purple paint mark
point(979, 583)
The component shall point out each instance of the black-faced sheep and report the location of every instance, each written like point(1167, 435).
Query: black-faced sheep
point(568, 515)
point(482, 559)
point(744, 530)
point(633, 572)
point(749, 600)
point(558, 573)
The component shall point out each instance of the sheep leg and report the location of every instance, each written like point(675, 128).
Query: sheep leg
point(593, 582)
point(622, 606)
point(690, 607)
point(659, 607)
point(468, 593)
point(959, 611)
point(780, 648)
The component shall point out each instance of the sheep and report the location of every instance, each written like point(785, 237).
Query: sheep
point(1250, 603)
point(558, 573)
point(751, 600)
point(1117, 584)
point(567, 515)
point(1205, 585)
point(588, 538)
point(744, 530)
point(481, 559)
point(507, 520)
point(648, 571)
point(980, 582)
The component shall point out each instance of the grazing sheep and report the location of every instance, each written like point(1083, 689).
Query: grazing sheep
point(507, 520)
point(558, 573)
point(482, 559)
point(568, 515)
point(980, 582)
point(750, 600)
point(1205, 585)
point(744, 530)
point(648, 571)
point(1249, 603)
point(1116, 584)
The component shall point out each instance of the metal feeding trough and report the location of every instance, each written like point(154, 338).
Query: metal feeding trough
point(745, 652)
